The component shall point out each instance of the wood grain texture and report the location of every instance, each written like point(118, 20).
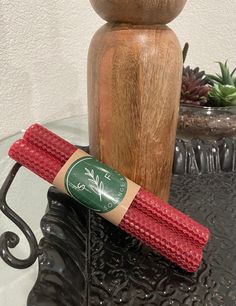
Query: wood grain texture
point(134, 79)
point(138, 11)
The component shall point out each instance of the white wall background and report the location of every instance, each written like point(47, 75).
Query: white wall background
point(43, 49)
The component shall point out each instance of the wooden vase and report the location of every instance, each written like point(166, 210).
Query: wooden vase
point(134, 80)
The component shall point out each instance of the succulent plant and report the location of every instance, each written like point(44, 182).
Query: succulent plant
point(226, 77)
point(222, 95)
point(195, 89)
point(202, 89)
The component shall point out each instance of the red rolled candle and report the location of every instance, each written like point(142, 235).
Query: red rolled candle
point(35, 159)
point(62, 150)
point(49, 142)
point(149, 219)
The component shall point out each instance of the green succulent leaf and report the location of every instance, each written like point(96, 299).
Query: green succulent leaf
point(222, 95)
point(225, 78)
point(233, 72)
point(224, 71)
point(212, 79)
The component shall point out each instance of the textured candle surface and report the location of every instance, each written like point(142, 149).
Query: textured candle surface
point(157, 224)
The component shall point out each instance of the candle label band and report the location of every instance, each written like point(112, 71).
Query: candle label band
point(95, 185)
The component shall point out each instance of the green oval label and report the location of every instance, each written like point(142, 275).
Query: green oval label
point(95, 185)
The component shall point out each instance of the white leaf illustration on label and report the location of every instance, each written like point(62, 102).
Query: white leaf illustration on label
point(96, 185)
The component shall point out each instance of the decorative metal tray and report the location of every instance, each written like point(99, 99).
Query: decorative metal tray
point(84, 260)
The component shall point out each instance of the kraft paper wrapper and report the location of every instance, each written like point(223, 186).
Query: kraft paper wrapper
point(114, 216)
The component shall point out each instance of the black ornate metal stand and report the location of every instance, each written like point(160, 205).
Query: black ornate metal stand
point(9, 240)
point(84, 260)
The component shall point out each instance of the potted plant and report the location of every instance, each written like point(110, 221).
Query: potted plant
point(207, 121)
point(208, 104)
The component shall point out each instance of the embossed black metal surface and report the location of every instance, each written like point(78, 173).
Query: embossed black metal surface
point(63, 275)
point(199, 156)
point(87, 261)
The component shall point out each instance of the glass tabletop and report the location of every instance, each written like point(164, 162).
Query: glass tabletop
point(27, 197)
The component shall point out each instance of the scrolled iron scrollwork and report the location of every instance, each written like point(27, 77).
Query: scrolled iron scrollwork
point(10, 240)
